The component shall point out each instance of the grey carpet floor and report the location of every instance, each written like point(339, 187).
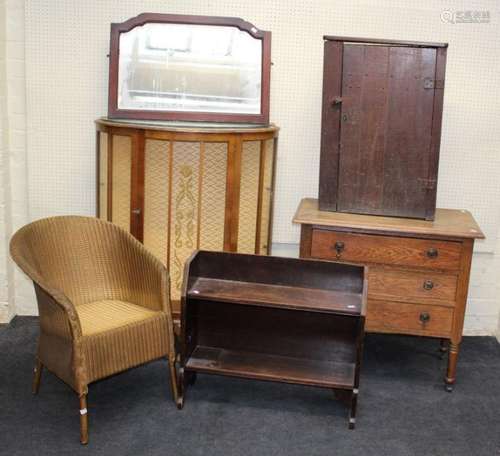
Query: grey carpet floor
point(403, 408)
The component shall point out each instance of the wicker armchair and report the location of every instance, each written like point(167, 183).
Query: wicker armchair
point(102, 299)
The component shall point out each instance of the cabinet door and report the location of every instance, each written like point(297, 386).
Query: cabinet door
point(381, 128)
point(385, 129)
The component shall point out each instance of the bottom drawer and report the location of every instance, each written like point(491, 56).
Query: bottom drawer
point(405, 318)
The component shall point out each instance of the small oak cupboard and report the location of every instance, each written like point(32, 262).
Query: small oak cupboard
point(381, 126)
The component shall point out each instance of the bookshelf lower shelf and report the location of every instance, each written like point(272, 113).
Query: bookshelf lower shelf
point(271, 367)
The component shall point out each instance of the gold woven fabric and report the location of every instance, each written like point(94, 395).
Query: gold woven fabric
point(130, 345)
point(102, 297)
point(249, 196)
point(101, 316)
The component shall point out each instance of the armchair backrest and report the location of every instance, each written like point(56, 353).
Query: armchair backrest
point(85, 258)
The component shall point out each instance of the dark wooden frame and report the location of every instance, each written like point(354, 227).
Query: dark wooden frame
point(331, 120)
point(275, 319)
point(144, 18)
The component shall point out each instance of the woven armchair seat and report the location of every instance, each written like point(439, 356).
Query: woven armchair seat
point(101, 316)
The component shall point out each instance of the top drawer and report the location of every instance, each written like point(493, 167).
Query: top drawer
point(367, 248)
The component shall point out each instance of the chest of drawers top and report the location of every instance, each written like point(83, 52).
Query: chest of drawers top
point(448, 224)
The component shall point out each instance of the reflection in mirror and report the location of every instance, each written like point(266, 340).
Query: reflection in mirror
point(189, 67)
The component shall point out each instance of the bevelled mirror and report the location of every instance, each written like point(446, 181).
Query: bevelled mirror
point(194, 68)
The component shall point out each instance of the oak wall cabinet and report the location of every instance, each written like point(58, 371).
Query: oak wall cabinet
point(181, 187)
point(381, 126)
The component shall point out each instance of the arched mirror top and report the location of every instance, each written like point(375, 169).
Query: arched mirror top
point(189, 68)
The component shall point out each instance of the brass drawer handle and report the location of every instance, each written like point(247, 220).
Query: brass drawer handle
point(425, 317)
point(432, 253)
point(339, 248)
point(428, 285)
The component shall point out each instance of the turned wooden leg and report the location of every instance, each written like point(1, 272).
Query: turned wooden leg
point(174, 382)
point(452, 366)
point(443, 347)
point(84, 421)
point(37, 374)
point(352, 413)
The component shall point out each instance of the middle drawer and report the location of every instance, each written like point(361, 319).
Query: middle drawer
point(412, 286)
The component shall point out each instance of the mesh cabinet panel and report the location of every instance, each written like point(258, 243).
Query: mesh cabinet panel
point(122, 163)
point(156, 197)
point(184, 210)
point(249, 196)
point(213, 196)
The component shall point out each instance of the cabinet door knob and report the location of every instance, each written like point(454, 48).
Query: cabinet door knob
point(136, 211)
point(424, 317)
point(432, 253)
point(428, 285)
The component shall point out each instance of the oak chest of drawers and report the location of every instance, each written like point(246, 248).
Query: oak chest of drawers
point(418, 270)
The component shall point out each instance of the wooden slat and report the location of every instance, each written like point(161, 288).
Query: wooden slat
point(110, 177)
point(330, 128)
point(436, 132)
point(137, 186)
point(264, 366)
point(286, 297)
point(352, 39)
point(233, 181)
point(260, 194)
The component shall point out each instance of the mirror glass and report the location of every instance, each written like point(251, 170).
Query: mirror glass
point(189, 67)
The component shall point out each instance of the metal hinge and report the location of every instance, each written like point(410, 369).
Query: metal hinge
point(431, 83)
point(428, 184)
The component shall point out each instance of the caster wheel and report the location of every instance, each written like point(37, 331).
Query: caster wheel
point(180, 403)
point(448, 388)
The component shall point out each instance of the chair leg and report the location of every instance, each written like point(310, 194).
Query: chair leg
point(37, 374)
point(84, 421)
point(173, 382)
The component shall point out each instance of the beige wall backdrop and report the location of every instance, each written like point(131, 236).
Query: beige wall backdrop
point(66, 47)
point(66, 89)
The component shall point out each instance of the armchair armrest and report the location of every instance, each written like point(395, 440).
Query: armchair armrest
point(57, 314)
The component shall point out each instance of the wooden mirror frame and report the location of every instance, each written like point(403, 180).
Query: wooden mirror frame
point(144, 18)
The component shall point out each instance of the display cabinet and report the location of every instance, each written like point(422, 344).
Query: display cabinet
point(180, 187)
